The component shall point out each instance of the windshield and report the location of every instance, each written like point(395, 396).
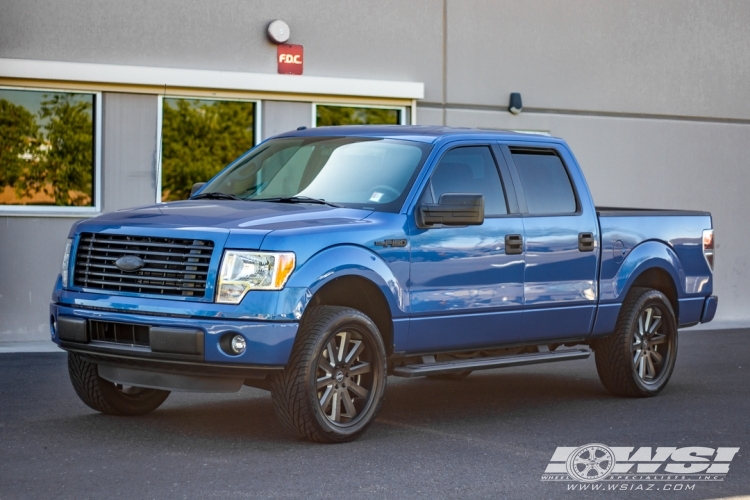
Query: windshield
point(358, 172)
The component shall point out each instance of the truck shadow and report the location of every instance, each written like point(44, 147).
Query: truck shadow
point(249, 416)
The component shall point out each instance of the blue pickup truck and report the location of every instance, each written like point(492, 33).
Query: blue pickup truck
point(324, 260)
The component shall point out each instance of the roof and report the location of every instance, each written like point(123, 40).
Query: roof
point(421, 133)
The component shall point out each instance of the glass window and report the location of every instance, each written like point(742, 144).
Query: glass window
point(469, 170)
point(545, 182)
point(47, 145)
point(358, 172)
point(326, 115)
point(198, 138)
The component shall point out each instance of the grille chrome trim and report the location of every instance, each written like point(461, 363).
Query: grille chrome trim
point(173, 266)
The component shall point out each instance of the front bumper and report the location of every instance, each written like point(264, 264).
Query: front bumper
point(269, 344)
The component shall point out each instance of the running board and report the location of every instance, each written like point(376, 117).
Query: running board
point(461, 365)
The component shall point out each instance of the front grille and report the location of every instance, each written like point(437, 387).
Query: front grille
point(119, 333)
point(172, 266)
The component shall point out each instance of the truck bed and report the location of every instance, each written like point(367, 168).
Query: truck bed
point(630, 236)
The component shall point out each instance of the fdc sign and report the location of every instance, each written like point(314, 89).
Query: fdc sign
point(289, 58)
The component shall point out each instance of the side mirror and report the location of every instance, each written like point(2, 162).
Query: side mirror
point(453, 209)
point(196, 187)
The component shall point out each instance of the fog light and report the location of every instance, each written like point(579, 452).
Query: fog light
point(238, 344)
point(52, 326)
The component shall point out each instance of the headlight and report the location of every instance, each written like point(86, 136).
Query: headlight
point(245, 271)
point(64, 271)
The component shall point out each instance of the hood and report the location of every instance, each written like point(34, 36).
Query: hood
point(227, 214)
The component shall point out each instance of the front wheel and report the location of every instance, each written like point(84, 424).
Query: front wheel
point(333, 385)
point(637, 360)
point(106, 397)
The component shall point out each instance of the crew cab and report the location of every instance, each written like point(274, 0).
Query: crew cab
point(323, 261)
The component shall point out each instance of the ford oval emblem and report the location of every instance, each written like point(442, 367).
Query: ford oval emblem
point(129, 263)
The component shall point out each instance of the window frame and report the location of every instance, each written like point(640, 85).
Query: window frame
point(257, 128)
point(96, 184)
point(314, 116)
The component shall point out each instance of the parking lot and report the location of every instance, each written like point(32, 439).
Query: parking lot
point(488, 436)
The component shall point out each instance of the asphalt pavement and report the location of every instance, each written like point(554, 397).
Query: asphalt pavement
point(491, 435)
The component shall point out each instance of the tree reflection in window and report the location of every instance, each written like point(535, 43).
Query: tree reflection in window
point(326, 115)
point(46, 148)
point(199, 138)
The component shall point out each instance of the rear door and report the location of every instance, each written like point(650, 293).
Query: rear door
point(560, 235)
point(465, 290)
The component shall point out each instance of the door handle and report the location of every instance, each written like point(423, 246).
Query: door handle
point(586, 242)
point(513, 244)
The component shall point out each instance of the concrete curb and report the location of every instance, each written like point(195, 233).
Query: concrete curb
point(33, 346)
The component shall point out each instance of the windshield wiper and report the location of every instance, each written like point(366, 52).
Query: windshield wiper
point(215, 196)
point(297, 199)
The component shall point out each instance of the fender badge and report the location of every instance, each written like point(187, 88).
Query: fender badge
point(390, 243)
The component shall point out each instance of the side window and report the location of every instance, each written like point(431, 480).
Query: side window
point(545, 182)
point(469, 169)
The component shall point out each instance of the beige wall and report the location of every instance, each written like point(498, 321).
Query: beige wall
point(666, 57)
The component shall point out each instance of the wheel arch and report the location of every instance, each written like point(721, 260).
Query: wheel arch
point(652, 264)
point(659, 279)
point(352, 276)
point(361, 294)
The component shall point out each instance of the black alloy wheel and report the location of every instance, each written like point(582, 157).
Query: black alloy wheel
point(638, 359)
point(335, 379)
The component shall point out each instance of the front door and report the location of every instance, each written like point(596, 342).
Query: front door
point(465, 291)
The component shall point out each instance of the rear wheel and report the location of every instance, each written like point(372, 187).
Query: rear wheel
point(106, 397)
point(333, 385)
point(637, 360)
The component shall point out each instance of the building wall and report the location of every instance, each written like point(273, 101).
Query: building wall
point(129, 173)
point(684, 58)
point(651, 96)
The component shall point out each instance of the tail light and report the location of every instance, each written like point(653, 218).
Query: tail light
point(708, 247)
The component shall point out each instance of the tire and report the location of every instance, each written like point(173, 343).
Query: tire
point(637, 360)
point(332, 398)
point(106, 397)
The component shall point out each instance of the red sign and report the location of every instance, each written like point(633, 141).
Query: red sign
point(289, 58)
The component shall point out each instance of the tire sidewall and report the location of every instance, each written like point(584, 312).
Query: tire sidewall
point(348, 320)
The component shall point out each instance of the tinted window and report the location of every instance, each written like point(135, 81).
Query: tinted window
point(545, 183)
point(469, 170)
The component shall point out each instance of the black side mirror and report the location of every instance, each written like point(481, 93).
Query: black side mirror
point(196, 187)
point(453, 209)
